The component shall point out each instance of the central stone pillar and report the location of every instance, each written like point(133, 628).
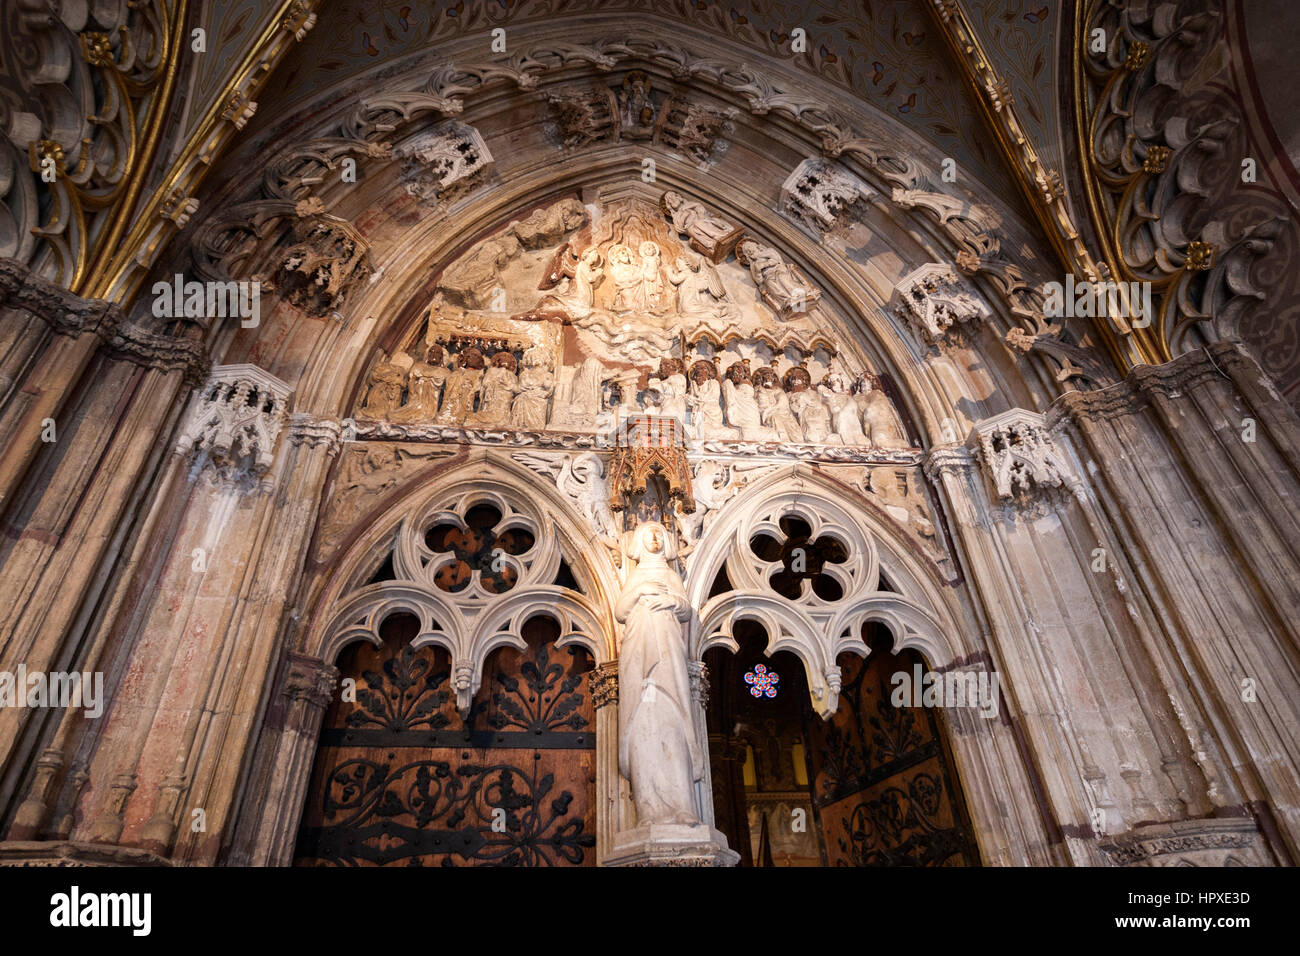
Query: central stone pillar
point(662, 753)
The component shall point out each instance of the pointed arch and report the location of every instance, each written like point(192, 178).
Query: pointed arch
point(815, 629)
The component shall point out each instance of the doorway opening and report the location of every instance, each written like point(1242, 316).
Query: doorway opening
point(872, 786)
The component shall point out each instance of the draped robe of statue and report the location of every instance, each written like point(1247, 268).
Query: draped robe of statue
point(706, 412)
point(535, 386)
point(385, 393)
point(424, 392)
point(774, 412)
point(496, 392)
point(845, 423)
point(458, 395)
point(657, 748)
point(743, 412)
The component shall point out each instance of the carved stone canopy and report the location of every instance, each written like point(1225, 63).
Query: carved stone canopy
point(935, 302)
point(236, 418)
point(1019, 455)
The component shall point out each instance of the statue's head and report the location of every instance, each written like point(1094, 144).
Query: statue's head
point(505, 360)
point(866, 382)
point(621, 254)
point(738, 372)
point(435, 355)
point(670, 200)
point(592, 257)
point(702, 371)
point(649, 541)
point(766, 377)
point(670, 366)
point(649, 249)
point(834, 382)
point(470, 358)
point(797, 378)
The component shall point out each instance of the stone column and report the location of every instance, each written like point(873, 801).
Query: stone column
point(279, 783)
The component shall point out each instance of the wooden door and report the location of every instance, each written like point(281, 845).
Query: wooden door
point(884, 788)
point(400, 779)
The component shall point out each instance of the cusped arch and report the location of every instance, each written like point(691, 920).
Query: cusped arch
point(816, 630)
point(472, 623)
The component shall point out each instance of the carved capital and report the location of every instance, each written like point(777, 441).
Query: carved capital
point(604, 684)
point(305, 429)
point(134, 344)
point(64, 312)
point(309, 679)
point(944, 460)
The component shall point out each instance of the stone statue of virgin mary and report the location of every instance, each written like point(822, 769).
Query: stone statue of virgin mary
point(657, 748)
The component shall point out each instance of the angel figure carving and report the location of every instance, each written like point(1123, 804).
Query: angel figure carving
point(658, 751)
point(582, 479)
point(700, 293)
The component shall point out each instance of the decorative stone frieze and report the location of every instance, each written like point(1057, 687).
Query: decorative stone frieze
point(1219, 841)
point(236, 418)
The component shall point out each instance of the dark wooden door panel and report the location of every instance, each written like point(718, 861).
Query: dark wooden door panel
point(400, 779)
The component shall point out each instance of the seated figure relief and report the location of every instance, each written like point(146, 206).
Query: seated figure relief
point(536, 383)
point(706, 404)
point(462, 388)
point(497, 391)
point(385, 385)
point(879, 420)
point(846, 423)
point(742, 406)
point(774, 405)
point(807, 405)
point(424, 388)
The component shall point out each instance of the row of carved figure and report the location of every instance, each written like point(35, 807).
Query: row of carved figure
point(739, 405)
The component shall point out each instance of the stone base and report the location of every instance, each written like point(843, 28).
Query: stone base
point(1218, 841)
point(66, 853)
point(671, 845)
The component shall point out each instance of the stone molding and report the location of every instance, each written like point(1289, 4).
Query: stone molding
point(67, 313)
point(1219, 841)
point(1172, 379)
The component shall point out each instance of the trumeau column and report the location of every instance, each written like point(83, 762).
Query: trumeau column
point(1194, 465)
